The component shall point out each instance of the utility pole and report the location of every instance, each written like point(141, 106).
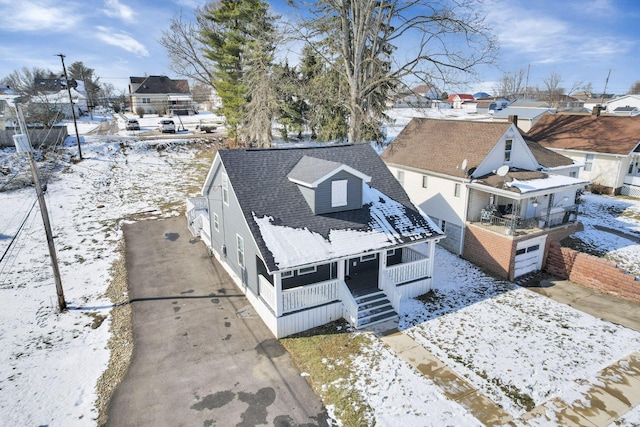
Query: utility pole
point(526, 85)
point(23, 145)
point(73, 110)
point(606, 83)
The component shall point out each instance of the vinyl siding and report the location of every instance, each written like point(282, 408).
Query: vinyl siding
point(323, 194)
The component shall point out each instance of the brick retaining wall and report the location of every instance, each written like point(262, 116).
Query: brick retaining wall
point(591, 271)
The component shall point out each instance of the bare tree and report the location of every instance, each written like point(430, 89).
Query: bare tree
point(512, 85)
point(23, 81)
point(552, 91)
point(635, 88)
point(186, 50)
point(447, 41)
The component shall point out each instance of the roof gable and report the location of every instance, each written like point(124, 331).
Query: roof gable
point(271, 203)
point(596, 134)
point(158, 84)
point(442, 146)
point(310, 171)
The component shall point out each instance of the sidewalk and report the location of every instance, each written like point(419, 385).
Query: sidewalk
point(617, 390)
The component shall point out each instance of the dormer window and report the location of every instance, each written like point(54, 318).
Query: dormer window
point(339, 193)
point(328, 186)
point(508, 145)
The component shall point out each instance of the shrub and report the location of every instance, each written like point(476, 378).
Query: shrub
point(140, 112)
point(597, 188)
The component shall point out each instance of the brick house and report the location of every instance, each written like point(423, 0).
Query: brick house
point(496, 195)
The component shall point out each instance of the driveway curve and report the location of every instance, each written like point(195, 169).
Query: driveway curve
point(201, 356)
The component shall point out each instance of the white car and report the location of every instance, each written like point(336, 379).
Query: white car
point(167, 126)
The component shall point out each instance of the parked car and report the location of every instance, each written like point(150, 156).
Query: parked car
point(167, 126)
point(132, 124)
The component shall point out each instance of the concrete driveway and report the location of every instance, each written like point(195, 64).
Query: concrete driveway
point(202, 356)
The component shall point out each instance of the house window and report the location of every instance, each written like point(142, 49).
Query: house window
point(216, 223)
point(588, 161)
point(307, 270)
point(146, 100)
point(339, 193)
point(424, 181)
point(456, 190)
point(443, 225)
point(286, 274)
point(508, 145)
point(240, 247)
point(225, 189)
point(391, 252)
point(400, 177)
point(369, 257)
point(573, 174)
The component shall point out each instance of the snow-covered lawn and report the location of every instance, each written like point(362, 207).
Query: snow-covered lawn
point(515, 346)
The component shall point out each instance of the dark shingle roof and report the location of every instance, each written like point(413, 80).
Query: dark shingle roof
point(596, 134)
point(259, 181)
point(443, 145)
point(159, 84)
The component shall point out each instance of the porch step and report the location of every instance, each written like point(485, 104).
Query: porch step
point(374, 308)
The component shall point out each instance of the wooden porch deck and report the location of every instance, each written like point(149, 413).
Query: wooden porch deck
point(363, 283)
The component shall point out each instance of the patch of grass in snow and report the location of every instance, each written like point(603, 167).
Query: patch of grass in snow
point(325, 354)
point(511, 391)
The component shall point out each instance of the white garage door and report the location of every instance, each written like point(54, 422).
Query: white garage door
point(529, 255)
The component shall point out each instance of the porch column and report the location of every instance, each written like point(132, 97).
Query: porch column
point(432, 257)
point(382, 266)
point(277, 283)
point(340, 271)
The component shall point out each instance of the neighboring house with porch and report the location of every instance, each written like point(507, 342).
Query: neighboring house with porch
point(312, 235)
point(608, 146)
point(160, 95)
point(495, 195)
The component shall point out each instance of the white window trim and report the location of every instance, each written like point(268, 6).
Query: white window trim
point(391, 252)
point(508, 151)
point(307, 270)
point(240, 250)
point(425, 181)
point(368, 257)
point(216, 222)
point(286, 274)
point(225, 189)
point(339, 193)
point(457, 189)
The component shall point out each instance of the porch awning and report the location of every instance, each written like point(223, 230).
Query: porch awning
point(178, 98)
point(522, 188)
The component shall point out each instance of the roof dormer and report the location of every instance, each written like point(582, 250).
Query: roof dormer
point(328, 186)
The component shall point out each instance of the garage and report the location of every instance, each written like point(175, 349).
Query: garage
point(529, 255)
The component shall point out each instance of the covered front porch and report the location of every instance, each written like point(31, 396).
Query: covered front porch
point(519, 214)
point(368, 288)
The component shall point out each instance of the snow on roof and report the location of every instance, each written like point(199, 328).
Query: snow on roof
point(388, 227)
point(548, 183)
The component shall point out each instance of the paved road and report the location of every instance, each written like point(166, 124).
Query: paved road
point(202, 356)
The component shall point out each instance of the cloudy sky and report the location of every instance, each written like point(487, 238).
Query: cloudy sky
point(581, 40)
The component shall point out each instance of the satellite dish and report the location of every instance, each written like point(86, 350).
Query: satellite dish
point(502, 170)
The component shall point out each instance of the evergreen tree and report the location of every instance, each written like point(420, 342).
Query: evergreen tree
point(240, 37)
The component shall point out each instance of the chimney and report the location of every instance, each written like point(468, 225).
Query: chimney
point(514, 120)
point(596, 111)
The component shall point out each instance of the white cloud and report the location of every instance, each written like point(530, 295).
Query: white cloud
point(547, 39)
point(122, 40)
point(38, 16)
point(115, 9)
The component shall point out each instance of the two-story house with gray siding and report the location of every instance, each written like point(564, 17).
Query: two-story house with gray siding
point(312, 235)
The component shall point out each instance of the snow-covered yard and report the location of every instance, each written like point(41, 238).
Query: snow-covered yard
point(519, 348)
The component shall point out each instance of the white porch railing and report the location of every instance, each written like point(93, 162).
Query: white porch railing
point(632, 180)
point(310, 295)
point(267, 292)
point(388, 286)
point(196, 212)
point(204, 231)
point(349, 305)
point(406, 272)
point(410, 255)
